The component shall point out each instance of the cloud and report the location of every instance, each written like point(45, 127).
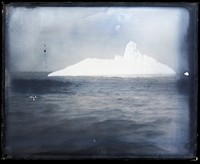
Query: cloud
point(74, 33)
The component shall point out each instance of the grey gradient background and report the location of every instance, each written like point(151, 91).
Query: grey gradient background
point(72, 34)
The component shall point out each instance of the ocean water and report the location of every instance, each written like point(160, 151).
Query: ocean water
point(95, 117)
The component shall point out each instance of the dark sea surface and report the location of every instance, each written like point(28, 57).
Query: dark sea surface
point(95, 117)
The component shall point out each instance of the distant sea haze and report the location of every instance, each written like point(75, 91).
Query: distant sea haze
point(95, 117)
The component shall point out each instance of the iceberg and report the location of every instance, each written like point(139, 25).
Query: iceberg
point(132, 63)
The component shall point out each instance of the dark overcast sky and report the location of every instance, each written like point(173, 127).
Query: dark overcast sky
point(72, 34)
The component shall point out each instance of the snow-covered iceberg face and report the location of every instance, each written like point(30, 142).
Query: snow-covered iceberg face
point(133, 63)
point(131, 50)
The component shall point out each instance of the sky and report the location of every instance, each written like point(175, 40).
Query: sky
point(71, 34)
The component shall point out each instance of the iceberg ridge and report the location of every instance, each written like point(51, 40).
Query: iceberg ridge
point(133, 63)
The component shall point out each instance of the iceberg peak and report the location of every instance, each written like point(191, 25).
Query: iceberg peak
point(131, 50)
point(133, 63)
point(131, 44)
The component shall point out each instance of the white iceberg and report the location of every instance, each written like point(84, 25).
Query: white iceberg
point(133, 63)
